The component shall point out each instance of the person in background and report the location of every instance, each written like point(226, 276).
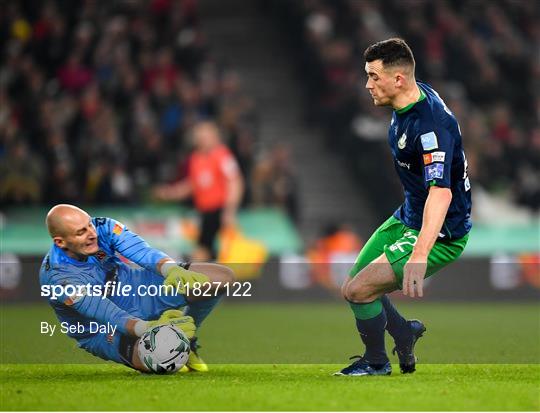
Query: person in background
point(215, 183)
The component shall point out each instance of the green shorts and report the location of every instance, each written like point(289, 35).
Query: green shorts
point(396, 241)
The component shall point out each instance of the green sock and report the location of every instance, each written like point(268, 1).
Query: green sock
point(371, 323)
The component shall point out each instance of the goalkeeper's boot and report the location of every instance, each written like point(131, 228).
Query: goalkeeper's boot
point(363, 367)
point(195, 362)
point(405, 350)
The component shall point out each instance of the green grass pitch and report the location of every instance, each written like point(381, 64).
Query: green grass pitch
point(281, 356)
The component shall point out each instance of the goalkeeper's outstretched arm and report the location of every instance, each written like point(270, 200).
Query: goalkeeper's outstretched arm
point(183, 280)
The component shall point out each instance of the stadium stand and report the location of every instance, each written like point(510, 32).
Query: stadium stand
point(96, 99)
point(482, 56)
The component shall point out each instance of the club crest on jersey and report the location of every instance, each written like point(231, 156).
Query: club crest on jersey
point(402, 142)
point(429, 141)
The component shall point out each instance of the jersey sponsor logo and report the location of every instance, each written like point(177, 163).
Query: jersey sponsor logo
point(118, 228)
point(429, 141)
point(403, 164)
point(434, 157)
point(434, 171)
point(438, 156)
point(402, 142)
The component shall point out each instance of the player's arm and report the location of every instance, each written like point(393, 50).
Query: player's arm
point(136, 249)
point(129, 244)
point(137, 327)
point(436, 149)
point(178, 277)
point(174, 192)
point(88, 301)
point(235, 188)
point(435, 210)
point(104, 310)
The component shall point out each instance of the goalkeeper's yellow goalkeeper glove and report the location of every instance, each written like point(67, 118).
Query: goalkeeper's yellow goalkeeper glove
point(179, 278)
point(173, 317)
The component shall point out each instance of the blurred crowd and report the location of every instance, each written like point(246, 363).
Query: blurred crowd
point(97, 100)
point(481, 56)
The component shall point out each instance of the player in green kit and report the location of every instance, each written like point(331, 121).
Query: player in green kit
point(429, 230)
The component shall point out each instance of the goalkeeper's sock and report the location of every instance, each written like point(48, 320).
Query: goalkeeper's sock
point(199, 310)
point(397, 326)
point(371, 323)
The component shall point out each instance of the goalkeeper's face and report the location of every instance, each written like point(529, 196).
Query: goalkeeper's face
point(79, 237)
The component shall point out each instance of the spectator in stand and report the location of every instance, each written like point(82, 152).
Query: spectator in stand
point(274, 181)
point(74, 76)
point(21, 175)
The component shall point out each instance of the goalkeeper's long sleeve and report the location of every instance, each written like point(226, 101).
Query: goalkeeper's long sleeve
point(92, 307)
point(128, 244)
point(103, 310)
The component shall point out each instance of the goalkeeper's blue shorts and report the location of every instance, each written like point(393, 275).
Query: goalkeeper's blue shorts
point(119, 347)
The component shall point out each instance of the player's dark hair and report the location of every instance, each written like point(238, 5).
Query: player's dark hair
point(392, 52)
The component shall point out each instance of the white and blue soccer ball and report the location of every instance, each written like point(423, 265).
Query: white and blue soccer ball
point(164, 349)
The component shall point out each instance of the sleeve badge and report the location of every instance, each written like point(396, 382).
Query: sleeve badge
point(118, 228)
point(434, 171)
point(429, 141)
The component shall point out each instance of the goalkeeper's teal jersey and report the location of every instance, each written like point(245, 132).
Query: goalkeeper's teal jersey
point(58, 268)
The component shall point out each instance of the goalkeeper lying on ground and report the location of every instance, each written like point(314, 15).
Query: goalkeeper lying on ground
point(84, 255)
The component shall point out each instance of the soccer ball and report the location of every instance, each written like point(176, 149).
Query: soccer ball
point(164, 349)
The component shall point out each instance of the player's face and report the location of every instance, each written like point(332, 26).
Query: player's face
point(380, 83)
point(205, 137)
point(80, 237)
